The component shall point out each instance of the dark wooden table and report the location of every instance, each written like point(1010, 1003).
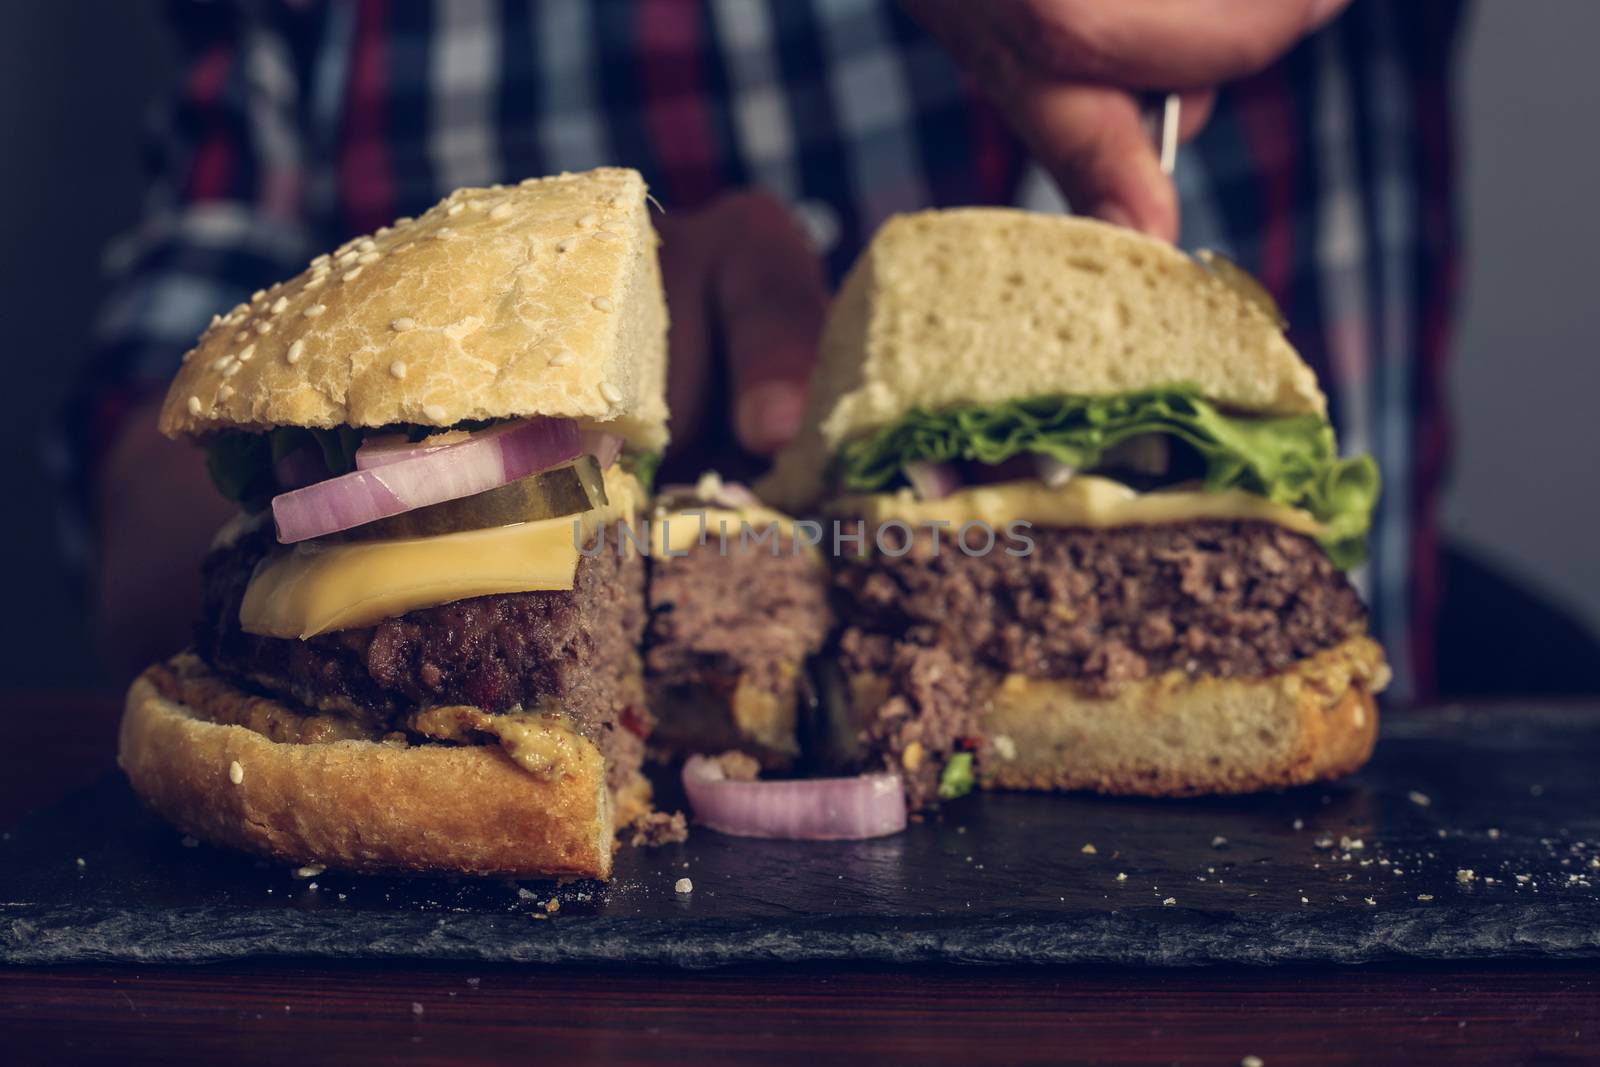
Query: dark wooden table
point(272, 1012)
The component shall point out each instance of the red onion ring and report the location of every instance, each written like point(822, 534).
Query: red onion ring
point(482, 462)
point(803, 809)
point(932, 481)
point(604, 447)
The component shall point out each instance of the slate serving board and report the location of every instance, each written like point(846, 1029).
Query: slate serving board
point(1365, 870)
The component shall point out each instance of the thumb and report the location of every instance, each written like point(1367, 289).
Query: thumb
point(1093, 142)
point(769, 297)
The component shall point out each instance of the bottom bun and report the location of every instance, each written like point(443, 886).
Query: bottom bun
point(1179, 736)
point(368, 806)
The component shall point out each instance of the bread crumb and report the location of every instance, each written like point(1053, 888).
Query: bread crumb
point(1421, 800)
point(1425, 897)
point(81, 863)
point(1466, 875)
point(552, 906)
point(1252, 1061)
point(683, 887)
point(1352, 844)
point(1169, 902)
point(416, 1008)
point(659, 828)
point(310, 870)
point(1089, 850)
point(1219, 841)
point(1121, 876)
point(739, 766)
point(1299, 824)
point(235, 772)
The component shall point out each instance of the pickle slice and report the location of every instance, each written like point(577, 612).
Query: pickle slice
point(569, 489)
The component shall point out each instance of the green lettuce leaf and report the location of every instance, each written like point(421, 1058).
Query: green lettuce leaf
point(1289, 459)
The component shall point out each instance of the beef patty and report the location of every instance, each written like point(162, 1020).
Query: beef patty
point(1101, 607)
point(572, 651)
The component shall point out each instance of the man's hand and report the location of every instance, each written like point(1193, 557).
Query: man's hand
point(1067, 74)
point(155, 511)
point(742, 282)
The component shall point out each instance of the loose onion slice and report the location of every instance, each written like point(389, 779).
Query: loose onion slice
point(804, 809)
point(604, 447)
point(479, 463)
point(932, 481)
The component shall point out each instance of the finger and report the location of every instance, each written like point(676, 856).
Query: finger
point(769, 298)
point(1194, 113)
point(1156, 44)
point(1093, 141)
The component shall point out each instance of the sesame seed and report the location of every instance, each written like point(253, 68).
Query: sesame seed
point(241, 338)
point(380, 231)
point(588, 221)
point(366, 244)
point(279, 304)
point(456, 209)
point(224, 392)
point(263, 327)
point(352, 275)
point(194, 405)
point(433, 412)
point(561, 358)
point(231, 369)
point(310, 870)
point(369, 257)
point(442, 232)
point(683, 887)
point(314, 310)
point(221, 362)
point(528, 183)
point(235, 772)
point(611, 393)
point(347, 258)
point(602, 303)
point(248, 354)
point(398, 368)
point(566, 244)
point(501, 211)
point(296, 350)
point(215, 319)
point(321, 261)
point(607, 235)
point(315, 282)
point(401, 325)
point(257, 296)
point(403, 220)
point(399, 248)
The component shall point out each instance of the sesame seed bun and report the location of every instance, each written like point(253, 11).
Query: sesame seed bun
point(542, 298)
point(366, 805)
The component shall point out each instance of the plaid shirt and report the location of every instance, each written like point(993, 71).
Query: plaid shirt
point(297, 124)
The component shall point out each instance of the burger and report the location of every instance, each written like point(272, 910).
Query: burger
point(738, 599)
point(419, 649)
point(1091, 527)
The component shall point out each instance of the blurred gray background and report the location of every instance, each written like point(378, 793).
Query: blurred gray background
point(76, 76)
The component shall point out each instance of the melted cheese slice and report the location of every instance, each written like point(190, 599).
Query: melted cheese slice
point(316, 588)
point(1086, 500)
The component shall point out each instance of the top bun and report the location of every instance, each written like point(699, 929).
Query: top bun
point(985, 305)
point(542, 298)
